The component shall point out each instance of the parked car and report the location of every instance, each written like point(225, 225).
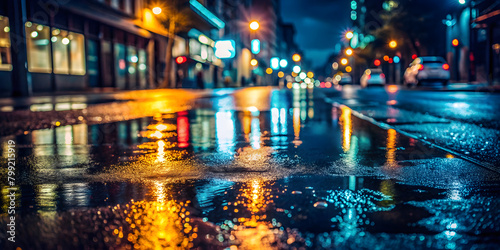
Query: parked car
point(372, 77)
point(427, 69)
point(345, 79)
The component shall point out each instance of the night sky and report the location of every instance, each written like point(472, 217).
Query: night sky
point(319, 25)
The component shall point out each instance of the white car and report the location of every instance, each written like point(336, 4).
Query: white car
point(427, 69)
point(372, 77)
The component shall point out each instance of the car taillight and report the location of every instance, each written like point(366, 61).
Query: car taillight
point(382, 75)
point(446, 66)
point(420, 67)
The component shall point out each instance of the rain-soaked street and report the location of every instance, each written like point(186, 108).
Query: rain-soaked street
point(250, 168)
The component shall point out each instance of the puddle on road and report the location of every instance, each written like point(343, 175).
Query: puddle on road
point(289, 172)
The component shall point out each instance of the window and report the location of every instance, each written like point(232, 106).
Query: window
point(37, 43)
point(5, 59)
point(60, 42)
point(132, 65)
point(68, 50)
point(77, 49)
point(121, 66)
point(142, 67)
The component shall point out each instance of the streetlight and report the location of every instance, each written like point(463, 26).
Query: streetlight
point(393, 44)
point(348, 51)
point(254, 25)
point(283, 63)
point(296, 69)
point(349, 35)
point(254, 62)
point(156, 10)
point(344, 61)
point(335, 65)
point(296, 57)
point(461, 1)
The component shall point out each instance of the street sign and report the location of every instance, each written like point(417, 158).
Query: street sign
point(225, 49)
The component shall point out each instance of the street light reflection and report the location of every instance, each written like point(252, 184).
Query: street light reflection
point(346, 123)
point(164, 223)
point(391, 147)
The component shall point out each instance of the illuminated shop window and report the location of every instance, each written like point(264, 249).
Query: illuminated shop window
point(60, 43)
point(77, 49)
point(133, 60)
point(5, 58)
point(37, 44)
point(68, 50)
point(142, 67)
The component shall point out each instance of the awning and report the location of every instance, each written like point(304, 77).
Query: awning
point(206, 14)
point(92, 11)
point(488, 17)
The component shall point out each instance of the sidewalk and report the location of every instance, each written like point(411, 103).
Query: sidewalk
point(8, 104)
point(472, 87)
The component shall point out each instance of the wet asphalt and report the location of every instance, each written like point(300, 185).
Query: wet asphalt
point(254, 168)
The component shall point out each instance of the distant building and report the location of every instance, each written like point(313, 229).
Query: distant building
point(485, 56)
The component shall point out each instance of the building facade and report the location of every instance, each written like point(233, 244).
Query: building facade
point(78, 45)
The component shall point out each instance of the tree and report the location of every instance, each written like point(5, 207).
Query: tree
point(175, 17)
point(415, 25)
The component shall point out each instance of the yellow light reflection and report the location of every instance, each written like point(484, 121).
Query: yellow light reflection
point(156, 134)
point(346, 123)
point(296, 122)
point(391, 147)
point(387, 188)
point(255, 196)
point(160, 224)
point(161, 151)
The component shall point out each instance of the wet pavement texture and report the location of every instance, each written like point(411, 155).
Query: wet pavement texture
point(467, 123)
point(258, 168)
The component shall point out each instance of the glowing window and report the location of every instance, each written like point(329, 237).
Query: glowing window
point(37, 44)
point(5, 57)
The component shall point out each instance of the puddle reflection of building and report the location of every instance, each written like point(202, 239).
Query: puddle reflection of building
point(225, 132)
point(279, 130)
point(202, 130)
point(64, 153)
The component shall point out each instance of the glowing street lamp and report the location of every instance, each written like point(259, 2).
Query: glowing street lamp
point(348, 51)
point(349, 35)
point(156, 10)
point(296, 69)
point(393, 44)
point(254, 62)
point(254, 25)
point(296, 57)
point(344, 61)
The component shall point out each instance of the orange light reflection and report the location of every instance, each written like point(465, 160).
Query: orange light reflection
point(346, 123)
point(391, 147)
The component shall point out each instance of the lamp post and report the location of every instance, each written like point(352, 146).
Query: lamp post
point(254, 26)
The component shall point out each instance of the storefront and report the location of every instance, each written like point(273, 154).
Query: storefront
point(72, 47)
